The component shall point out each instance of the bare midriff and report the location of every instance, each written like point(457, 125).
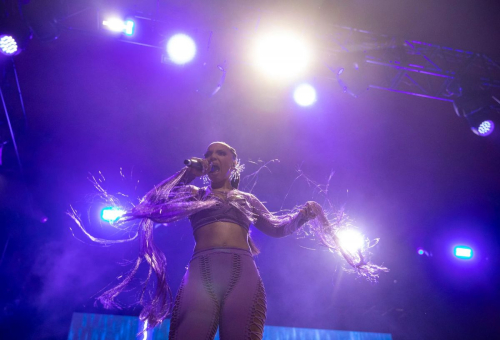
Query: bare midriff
point(221, 235)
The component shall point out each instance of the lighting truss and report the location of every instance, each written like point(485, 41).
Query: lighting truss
point(413, 67)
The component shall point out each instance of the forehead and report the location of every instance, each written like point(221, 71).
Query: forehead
point(218, 146)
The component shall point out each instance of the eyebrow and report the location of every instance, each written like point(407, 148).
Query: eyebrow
point(208, 153)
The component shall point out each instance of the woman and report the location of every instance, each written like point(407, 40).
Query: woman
point(222, 287)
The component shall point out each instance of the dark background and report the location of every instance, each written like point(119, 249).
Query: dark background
point(407, 169)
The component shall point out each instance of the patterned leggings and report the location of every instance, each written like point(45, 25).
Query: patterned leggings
point(221, 287)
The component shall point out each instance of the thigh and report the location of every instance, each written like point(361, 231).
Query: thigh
point(196, 309)
point(243, 311)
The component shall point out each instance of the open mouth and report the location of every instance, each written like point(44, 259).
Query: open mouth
point(214, 169)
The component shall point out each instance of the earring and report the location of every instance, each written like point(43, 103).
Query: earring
point(206, 180)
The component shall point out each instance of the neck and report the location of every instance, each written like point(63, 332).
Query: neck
point(222, 186)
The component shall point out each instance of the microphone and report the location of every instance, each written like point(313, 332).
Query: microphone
point(194, 163)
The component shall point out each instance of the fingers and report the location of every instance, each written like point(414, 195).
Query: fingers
point(309, 209)
point(205, 169)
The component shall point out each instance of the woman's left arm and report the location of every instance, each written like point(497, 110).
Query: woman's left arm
point(279, 225)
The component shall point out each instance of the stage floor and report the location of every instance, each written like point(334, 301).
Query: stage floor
point(87, 326)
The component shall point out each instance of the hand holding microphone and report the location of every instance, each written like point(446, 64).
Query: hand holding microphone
point(198, 166)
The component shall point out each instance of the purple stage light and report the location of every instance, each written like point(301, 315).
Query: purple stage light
point(351, 240)
point(118, 25)
point(111, 214)
point(485, 128)
point(304, 95)
point(8, 45)
point(181, 49)
point(463, 252)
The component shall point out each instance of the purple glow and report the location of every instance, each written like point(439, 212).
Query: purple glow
point(8, 45)
point(485, 128)
point(304, 95)
point(463, 252)
point(111, 214)
point(181, 49)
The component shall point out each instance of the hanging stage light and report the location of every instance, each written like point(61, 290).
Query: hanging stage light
point(479, 107)
point(181, 49)
point(463, 252)
point(304, 95)
point(119, 26)
point(8, 45)
point(281, 55)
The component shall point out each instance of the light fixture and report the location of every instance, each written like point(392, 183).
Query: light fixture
point(111, 214)
point(304, 95)
point(8, 45)
point(463, 252)
point(281, 55)
point(478, 106)
point(120, 26)
point(181, 49)
point(351, 240)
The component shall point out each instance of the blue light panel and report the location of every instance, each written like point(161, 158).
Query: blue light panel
point(103, 326)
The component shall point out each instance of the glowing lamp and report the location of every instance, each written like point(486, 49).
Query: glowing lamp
point(111, 214)
point(120, 26)
point(181, 49)
point(463, 252)
point(485, 128)
point(8, 45)
point(351, 240)
point(304, 95)
point(281, 55)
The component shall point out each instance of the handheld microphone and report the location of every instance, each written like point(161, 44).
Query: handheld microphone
point(194, 163)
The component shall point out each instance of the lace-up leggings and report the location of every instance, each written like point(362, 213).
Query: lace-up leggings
point(221, 287)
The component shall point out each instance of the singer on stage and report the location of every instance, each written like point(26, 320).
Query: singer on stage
point(222, 287)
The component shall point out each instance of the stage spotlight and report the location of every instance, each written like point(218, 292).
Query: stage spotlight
point(486, 128)
point(480, 123)
point(421, 251)
point(281, 55)
point(8, 45)
point(478, 106)
point(111, 214)
point(463, 252)
point(181, 49)
point(117, 25)
point(351, 240)
point(304, 95)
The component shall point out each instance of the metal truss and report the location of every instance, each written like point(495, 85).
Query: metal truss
point(414, 67)
point(389, 63)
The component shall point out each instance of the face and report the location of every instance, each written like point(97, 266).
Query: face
point(222, 162)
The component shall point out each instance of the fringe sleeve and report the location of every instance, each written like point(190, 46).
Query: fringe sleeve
point(275, 225)
point(326, 230)
point(169, 201)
